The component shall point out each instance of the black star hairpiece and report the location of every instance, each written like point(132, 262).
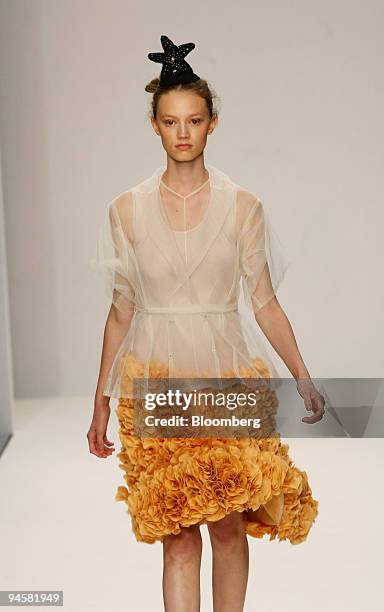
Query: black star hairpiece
point(175, 69)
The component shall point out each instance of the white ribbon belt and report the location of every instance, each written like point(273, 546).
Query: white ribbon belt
point(188, 308)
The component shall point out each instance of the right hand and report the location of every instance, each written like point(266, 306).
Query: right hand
point(98, 442)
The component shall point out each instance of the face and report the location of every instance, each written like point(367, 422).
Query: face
point(183, 118)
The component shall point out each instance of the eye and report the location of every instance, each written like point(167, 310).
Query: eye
point(168, 121)
point(197, 121)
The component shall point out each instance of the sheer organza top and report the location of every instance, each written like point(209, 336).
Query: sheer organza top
point(192, 269)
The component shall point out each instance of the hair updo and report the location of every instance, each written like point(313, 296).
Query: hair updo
point(200, 87)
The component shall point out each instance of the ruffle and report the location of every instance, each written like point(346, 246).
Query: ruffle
point(177, 482)
point(129, 368)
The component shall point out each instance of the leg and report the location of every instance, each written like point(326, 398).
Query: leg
point(230, 562)
point(181, 574)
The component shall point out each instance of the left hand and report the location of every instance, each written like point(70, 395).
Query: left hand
point(313, 400)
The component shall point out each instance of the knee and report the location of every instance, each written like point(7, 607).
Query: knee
point(227, 531)
point(183, 547)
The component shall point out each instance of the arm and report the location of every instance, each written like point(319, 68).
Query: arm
point(116, 327)
point(263, 266)
point(114, 262)
point(275, 325)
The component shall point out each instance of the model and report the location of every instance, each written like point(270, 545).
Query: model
point(176, 250)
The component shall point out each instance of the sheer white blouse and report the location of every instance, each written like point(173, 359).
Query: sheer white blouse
point(193, 272)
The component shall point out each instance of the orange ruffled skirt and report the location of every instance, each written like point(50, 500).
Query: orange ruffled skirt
point(177, 482)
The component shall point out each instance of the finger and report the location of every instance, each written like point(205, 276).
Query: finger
point(109, 446)
point(310, 419)
point(318, 410)
point(100, 445)
point(108, 451)
point(307, 402)
point(108, 442)
point(92, 441)
point(100, 442)
point(94, 450)
point(318, 407)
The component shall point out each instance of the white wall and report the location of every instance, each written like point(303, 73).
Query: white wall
point(301, 126)
point(6, 374)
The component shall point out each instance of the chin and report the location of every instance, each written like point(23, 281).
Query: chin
point(187, 155)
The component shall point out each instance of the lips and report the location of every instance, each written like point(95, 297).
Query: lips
point(183, 146)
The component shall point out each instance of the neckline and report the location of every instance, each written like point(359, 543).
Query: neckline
point(161, 206)
point(189, 194)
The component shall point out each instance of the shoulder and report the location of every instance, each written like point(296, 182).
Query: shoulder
point(121, 211)
point(123, 201)
point(245, 199)
point(247, 204)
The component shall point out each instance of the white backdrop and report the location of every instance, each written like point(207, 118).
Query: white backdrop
point(300, 126)
point(6, 375)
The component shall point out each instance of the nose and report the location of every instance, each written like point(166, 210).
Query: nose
point(183, 130)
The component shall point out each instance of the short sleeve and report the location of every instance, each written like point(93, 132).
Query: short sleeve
point(114, 259)
point(263, 261)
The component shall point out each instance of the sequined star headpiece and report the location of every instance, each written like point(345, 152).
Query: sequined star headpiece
point(175, 69)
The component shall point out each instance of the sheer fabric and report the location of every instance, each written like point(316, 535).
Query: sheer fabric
point(115, 253)
point(194, 269)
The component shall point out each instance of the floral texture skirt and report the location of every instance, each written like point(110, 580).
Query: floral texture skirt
point(178, 482)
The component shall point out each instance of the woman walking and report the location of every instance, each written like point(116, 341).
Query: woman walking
point(176, 251)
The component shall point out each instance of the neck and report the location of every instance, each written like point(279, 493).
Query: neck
point(184, 177)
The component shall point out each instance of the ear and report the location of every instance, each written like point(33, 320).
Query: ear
point(154, 125)
point(213, 123)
